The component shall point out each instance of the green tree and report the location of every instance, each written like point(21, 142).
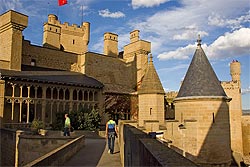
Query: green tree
point(83, 119)
point(92, 120)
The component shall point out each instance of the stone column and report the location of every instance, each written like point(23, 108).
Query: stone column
point(18, 133)
point(77, 98)
point(70, 99)
point(51, 105)
point(28, 105)
point(35, 103)
point(13, 102)
point(44, 88)
point(21, 103)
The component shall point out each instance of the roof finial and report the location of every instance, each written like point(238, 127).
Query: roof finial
point(150, 58)
point(199, 40)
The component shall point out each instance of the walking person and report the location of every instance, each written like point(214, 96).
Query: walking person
point(111, 133)
point(67, 125)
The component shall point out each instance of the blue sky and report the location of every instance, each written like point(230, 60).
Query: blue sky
point(171, 26)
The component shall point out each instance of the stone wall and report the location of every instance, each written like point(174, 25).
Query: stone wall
point(8, 147)
point(139, 149)
point(246, 134)
point(232, 89)
point(203, 130)
point(47, 58)
point(151, 107)
point(59, 155)
point(32, 147)
point(109, 70)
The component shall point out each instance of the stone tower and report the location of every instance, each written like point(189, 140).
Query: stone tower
point(137, 50)
point(110, 44)
point(51, 32)
point(65, 37)
point(151, 99)
point(233, 90)
point(202, 109)
point(11, 26)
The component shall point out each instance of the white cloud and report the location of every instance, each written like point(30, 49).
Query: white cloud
point(180, 53)
point(245, 91)
point(229, 45)
point(236, 23)
point(171, 69)
point(147, 3)
point(185, 22)
point(187, 35)
point(107, 13)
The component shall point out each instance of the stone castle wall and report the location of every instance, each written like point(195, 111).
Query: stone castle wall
point(246, 134)
point(151, 108)
point(202, 132)
point(232, 89)
point(109, 70)
point(11, 26)
point(47, 58)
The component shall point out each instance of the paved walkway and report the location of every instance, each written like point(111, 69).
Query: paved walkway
point(95, 153)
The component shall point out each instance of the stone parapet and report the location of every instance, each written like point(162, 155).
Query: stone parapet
point(59, 155)
point(142, 150)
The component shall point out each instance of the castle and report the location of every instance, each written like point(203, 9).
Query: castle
point(207, 124)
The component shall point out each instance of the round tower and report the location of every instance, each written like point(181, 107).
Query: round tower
point(235, 70)
point(52, 19)
point(202, 109)
point(86, 27)
point(110, 44)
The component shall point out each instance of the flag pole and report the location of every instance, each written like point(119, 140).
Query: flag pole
point(82, 15)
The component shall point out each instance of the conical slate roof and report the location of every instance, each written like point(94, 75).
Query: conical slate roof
point(200, 79)
point(151, 83)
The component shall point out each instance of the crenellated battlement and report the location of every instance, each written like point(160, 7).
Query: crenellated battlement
point(71, 38)
point(230, 85)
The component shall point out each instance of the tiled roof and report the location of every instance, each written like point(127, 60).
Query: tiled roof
point(151, 83)
point(200, 79)
point(54, 77)
point(118, 89)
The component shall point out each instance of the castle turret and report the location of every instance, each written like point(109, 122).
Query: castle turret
point(138, 51)
point(202, 109)
point(110, 44)
point(51, 32)
point(235, 70)
point(151, 99)
point(70, 38)
point(86, 36)
point(11, 26)
point(233, 90)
